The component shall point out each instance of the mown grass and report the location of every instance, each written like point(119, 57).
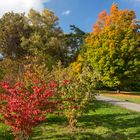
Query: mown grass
point(115, 92)
point(127, 97)
point(108, 122)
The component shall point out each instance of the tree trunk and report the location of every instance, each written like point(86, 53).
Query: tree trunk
point(118, 91)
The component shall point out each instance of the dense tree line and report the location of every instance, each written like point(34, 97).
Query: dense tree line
point(111, 50)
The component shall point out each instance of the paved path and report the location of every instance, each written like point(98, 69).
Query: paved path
point(118, 102)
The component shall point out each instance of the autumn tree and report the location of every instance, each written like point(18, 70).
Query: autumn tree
point(13, 27)
point(33, 39)
point(113, 48)
point(45, 43)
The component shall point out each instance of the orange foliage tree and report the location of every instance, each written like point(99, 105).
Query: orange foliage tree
point(113, 48)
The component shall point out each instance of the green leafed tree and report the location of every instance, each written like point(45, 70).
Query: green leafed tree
point(13, 26)
point(74, 41)
point(113, 48)
point(45, 42)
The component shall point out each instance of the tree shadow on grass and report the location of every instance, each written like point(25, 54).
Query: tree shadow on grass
point(56, 120)
point(93, 126)
point(5, 133)
point(117, 122)
point(6, 136)
point(83, 135)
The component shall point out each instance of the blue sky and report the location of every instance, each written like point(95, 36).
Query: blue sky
point(83, 13)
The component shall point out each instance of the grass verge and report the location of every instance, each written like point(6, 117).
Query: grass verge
point(127, 97)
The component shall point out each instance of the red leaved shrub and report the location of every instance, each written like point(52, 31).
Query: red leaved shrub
point(23, 108)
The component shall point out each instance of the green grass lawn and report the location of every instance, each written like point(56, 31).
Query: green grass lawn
point(108, 122)
point(114, 92)
point(127, 97)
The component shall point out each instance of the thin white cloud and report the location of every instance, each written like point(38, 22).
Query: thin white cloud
point(67, 12)
point(21, 5)
point(134, 1)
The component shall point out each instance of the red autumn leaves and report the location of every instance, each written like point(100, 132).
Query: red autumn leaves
point(23, 108)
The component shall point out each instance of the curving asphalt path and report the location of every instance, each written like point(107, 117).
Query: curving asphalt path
point(118, 102)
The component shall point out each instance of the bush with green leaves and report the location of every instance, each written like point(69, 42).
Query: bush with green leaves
point(77, 91)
